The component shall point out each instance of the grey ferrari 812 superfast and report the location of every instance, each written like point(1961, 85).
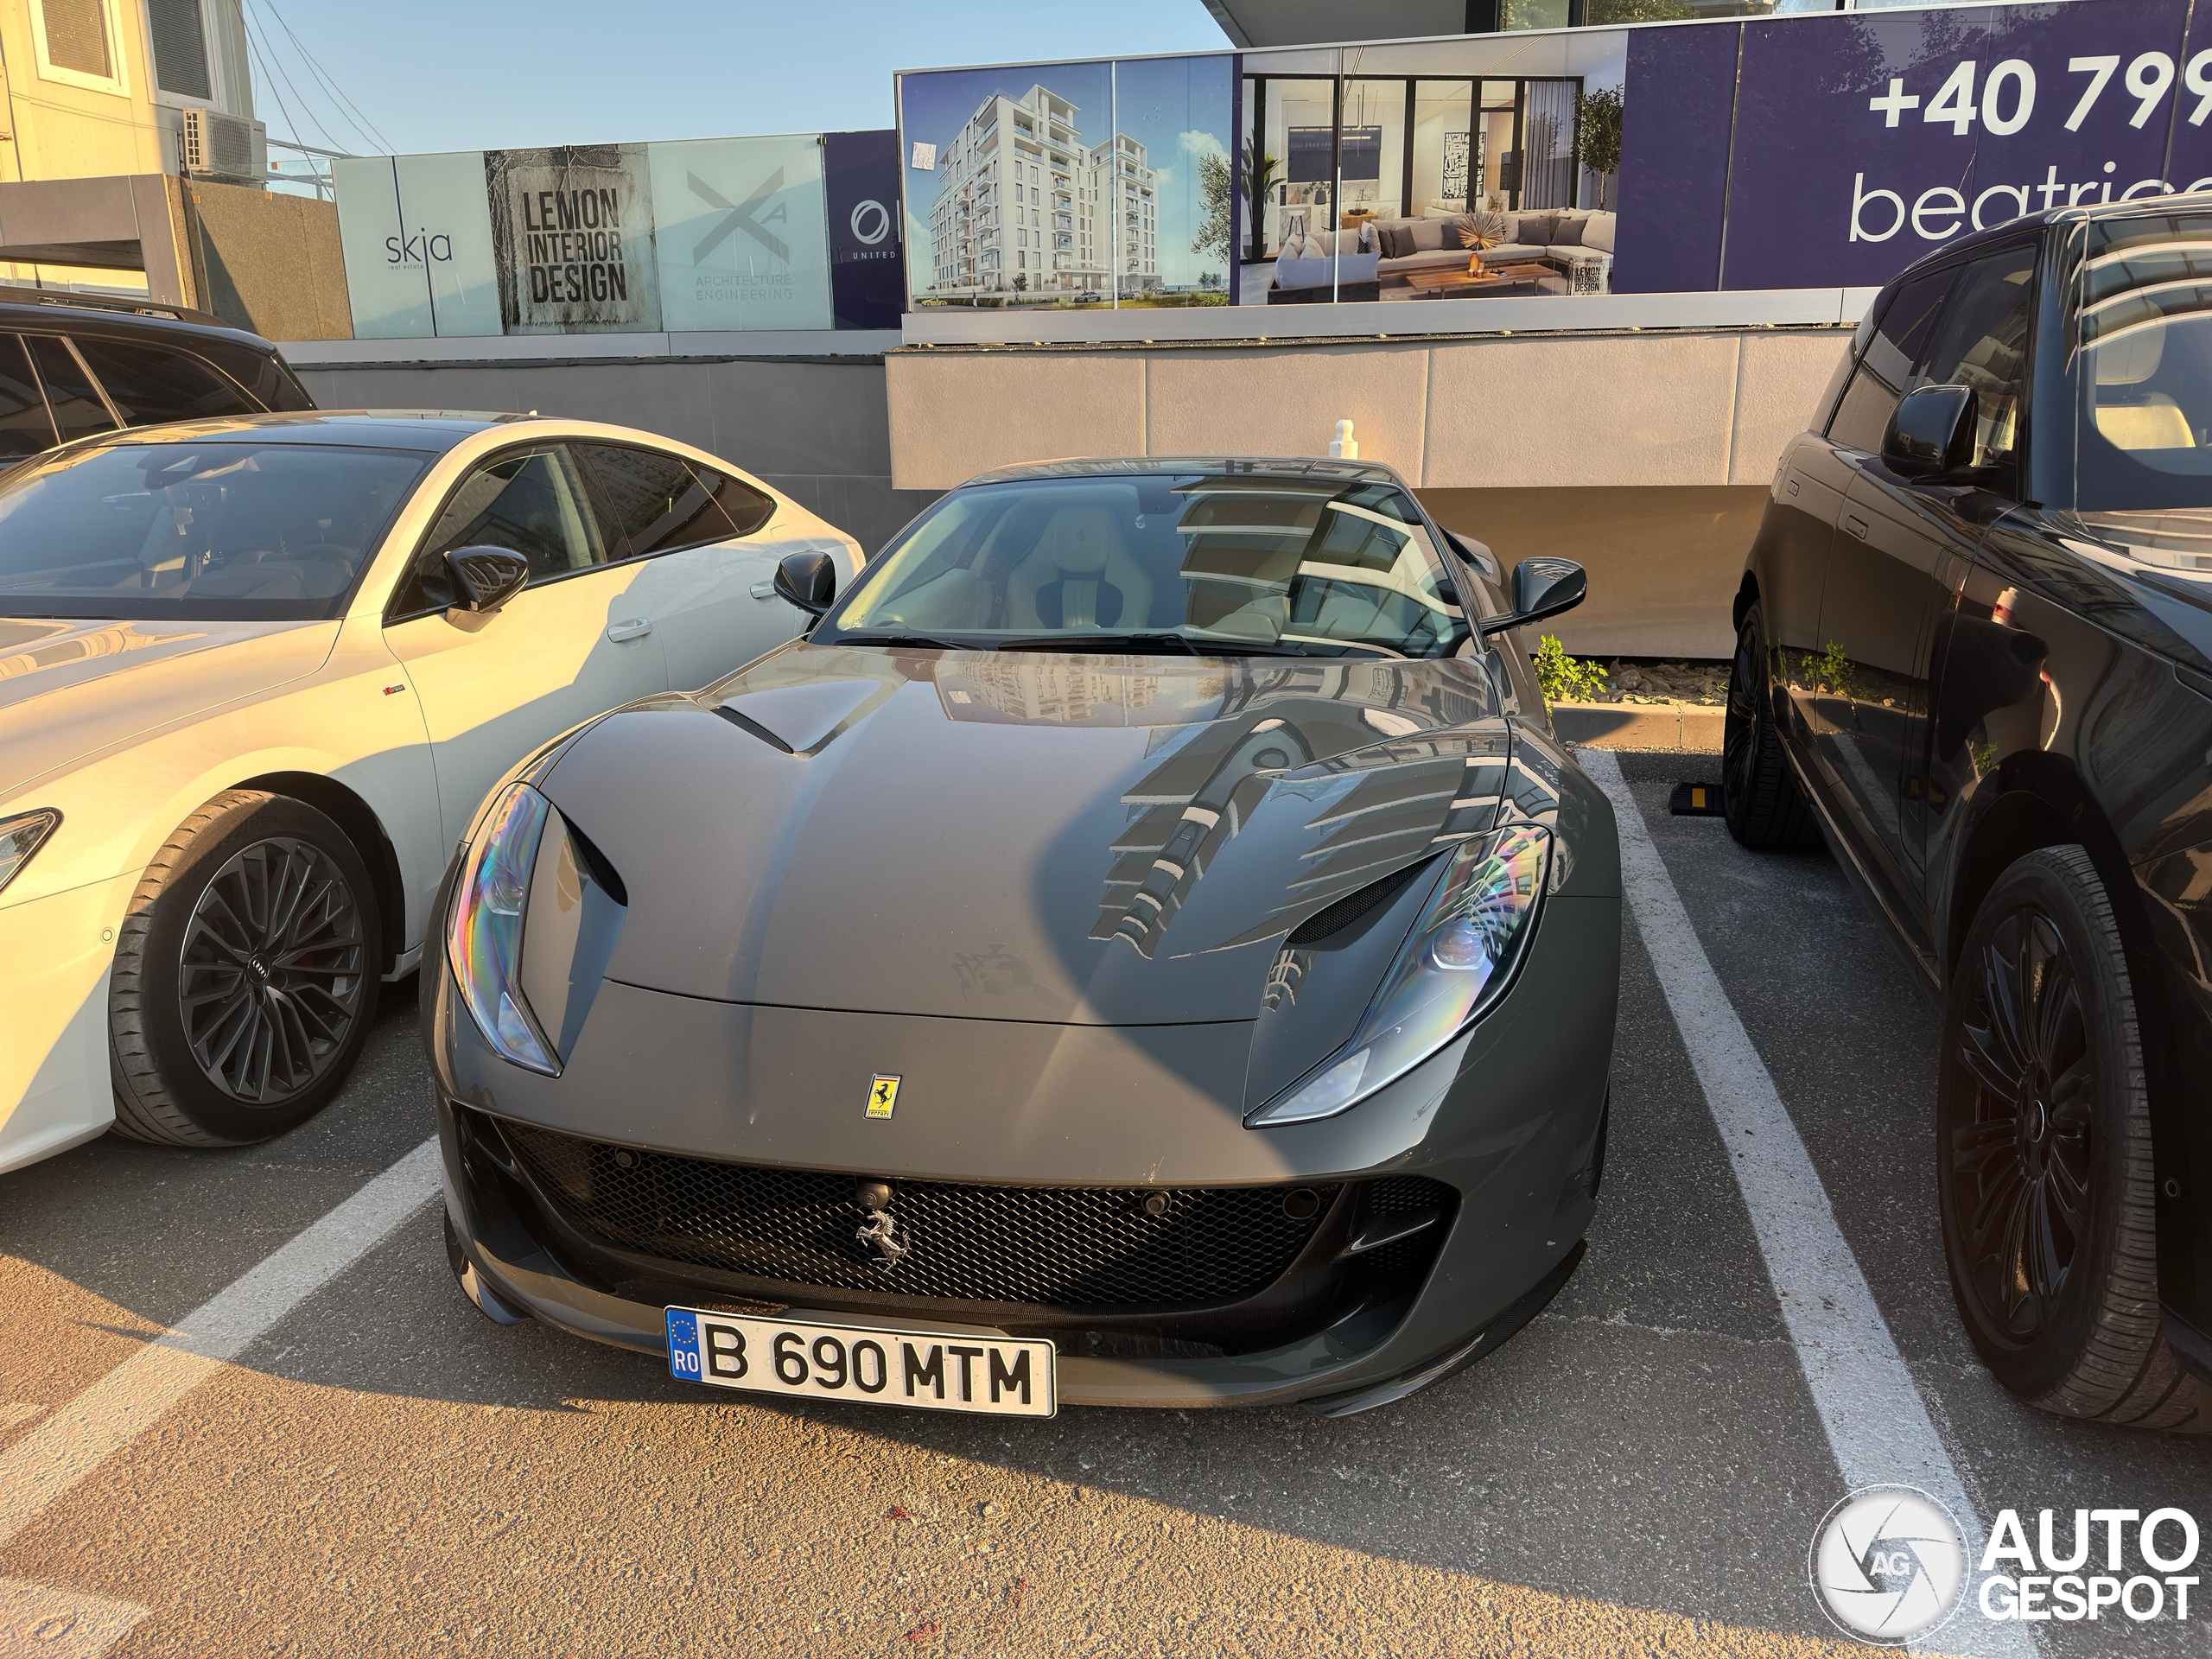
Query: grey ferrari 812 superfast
point(1144, 946)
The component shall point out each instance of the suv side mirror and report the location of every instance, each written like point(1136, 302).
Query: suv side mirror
point(1542, 588)
point(808, 580)
point(1930, 433)
point(485, 578)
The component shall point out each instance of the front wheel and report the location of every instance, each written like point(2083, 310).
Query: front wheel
point(245, 975)
point(2044, 1158)
point(1759, 797)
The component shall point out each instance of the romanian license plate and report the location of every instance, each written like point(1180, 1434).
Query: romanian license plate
point(936, 1371)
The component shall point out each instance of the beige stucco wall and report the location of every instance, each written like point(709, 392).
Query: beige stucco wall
point(1688, 407)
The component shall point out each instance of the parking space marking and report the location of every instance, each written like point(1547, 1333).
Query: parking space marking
point(37, 1618)
point(1877, 1423)
point(48, 1462)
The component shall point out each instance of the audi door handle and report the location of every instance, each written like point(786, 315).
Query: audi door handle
point(636, 628)
point(764, 589)
point(1857, 527)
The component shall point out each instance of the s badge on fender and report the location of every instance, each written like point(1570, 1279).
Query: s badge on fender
point(882, 1095)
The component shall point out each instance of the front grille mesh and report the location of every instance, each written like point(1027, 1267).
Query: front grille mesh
point(1088, 1247)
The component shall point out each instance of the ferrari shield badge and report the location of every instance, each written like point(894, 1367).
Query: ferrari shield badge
point(882, 1095)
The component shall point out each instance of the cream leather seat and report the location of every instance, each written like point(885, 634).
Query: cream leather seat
point(2147, 419)
point(1082, 570)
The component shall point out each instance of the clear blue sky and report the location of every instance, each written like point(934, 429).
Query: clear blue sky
point(481, 74)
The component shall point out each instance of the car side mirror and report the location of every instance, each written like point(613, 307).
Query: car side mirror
point(808, 580)
point(1930, 432)
point(485, 578)
point(1542, 588)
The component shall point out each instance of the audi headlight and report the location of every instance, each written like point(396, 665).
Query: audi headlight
point(484, 936)
point(21, 837)
point(1455, 962)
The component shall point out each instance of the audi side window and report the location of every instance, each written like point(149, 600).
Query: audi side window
point(660, 504)
point(533, 502)
point(748, 508)
point(1886, 372)
point(25, 427)
point(149, 385)
point(78, 407)
point(1982, 344)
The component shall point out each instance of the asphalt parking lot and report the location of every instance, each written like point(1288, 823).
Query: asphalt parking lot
point(381, 1470)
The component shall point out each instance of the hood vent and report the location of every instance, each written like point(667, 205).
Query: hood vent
point(755, 727)
point(1333, 923)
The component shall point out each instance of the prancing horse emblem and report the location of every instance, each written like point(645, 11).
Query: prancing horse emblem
point(881, 1235)
point(882, 1095)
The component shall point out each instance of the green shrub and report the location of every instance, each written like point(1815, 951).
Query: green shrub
point(1564, 678)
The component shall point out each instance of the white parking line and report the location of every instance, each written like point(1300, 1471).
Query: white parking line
point(1876, 1421)
point(47, 1464)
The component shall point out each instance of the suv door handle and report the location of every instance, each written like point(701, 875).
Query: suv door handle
point(636, 628)
point(1857, 526)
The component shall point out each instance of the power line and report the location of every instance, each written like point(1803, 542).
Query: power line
point(270, 81)
point(354, 115)
point(268, 59)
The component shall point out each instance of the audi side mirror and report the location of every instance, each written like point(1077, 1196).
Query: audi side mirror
point(1542, 588)
point(808, 580)
point(1930, 433)
point(485, 578)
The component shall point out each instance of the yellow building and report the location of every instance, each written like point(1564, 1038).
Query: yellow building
point(98, 89)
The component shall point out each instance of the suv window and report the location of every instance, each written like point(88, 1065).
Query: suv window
point(1884, 373)
point(75, 402)
point(1982, 343)
point(25, 427)
point(659, 501)
point(150, 383)
point(534, 502)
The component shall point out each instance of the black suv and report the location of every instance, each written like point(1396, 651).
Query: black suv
point(1975, 654)
point(71, 367)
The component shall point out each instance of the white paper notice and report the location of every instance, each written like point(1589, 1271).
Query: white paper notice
point(925, 157)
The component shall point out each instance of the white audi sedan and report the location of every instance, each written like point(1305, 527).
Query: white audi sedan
point(256, 674)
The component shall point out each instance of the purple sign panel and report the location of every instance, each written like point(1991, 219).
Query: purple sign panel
point(1864, 140)
point(1673, 187)
point(867, 278)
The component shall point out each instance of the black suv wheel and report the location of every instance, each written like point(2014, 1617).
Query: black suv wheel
point(1760, 799)
point(2044, 1156)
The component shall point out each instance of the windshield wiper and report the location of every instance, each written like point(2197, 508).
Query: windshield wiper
point(1081, 643)
point(923, 641)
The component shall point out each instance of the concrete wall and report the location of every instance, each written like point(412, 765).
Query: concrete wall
point(815, 429)
point(269, 263)
point(1643, 455)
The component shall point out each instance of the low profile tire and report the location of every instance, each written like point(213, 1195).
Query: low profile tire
point(2044, 1156)
point(1764, 808)
point(245, 975)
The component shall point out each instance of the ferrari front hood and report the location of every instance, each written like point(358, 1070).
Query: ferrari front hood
point(1065, 840)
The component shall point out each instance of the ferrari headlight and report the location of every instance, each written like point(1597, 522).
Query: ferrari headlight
point(21, 837)
point(484, 936)
point(1455, 962)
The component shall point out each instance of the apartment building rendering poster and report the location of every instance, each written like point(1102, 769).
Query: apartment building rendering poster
point(1068, 184)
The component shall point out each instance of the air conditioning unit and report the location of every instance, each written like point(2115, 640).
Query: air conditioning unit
point(217, 145)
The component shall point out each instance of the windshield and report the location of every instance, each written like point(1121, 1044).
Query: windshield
point(218, 531)
point(1241, 562)
point(2146, 362)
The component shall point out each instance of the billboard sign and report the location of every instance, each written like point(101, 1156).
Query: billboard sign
point(742, 238)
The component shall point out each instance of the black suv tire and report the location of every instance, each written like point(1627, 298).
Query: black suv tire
point(1760, 796)
point(2043, 1162)
point(247, 975)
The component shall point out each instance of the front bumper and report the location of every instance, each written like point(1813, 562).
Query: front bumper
point(1507, 1119)
point(55, 1087)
